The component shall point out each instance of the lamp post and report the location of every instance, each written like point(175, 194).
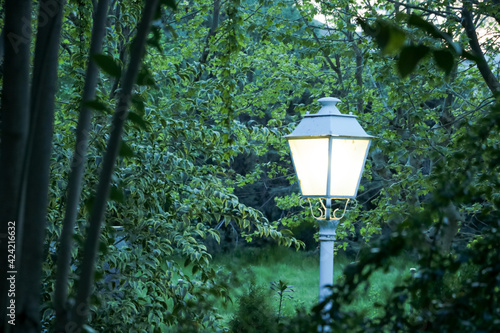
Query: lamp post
point(329, 152)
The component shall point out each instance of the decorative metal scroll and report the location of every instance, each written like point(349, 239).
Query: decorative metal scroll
point(325, 211)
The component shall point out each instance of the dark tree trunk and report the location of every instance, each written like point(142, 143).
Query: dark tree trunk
point(14, 121)
point(77, 170)
point(34, 197)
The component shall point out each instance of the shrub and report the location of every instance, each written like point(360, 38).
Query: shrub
point(255, 312)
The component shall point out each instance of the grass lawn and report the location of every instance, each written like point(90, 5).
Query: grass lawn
point(301, 270)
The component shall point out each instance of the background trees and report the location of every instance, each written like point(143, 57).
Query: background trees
point(197, 146)
point(439, 296)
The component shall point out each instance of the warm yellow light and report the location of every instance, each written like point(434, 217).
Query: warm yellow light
point(310, 158)
point(329, 151)
point(348, 160)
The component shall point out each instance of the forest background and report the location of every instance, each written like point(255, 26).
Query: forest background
point(160, 124)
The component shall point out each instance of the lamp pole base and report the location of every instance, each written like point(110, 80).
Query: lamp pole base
point(326, 238)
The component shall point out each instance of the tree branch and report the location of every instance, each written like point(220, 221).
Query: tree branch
point(335, 68)
point(358, 73)
point(482, 65)
point(211, 32)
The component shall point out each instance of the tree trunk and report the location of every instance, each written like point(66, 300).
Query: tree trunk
point(450, 227)
point(123, 49)
point(358, 73)
point(211, 32)
point(77, 169)
point(80, 311)
point(14, 120)
point(36, 165)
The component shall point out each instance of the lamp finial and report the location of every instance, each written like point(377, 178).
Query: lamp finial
point(328, 105)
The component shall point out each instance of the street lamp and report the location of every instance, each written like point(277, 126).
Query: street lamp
point(329, 151)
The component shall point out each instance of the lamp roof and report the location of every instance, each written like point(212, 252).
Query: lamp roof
point(329, 122)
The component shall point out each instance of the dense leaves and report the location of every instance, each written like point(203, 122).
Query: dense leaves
point(203, 156)
point(449, 292)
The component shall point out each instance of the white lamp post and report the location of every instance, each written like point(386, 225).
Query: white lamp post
point(329, 151)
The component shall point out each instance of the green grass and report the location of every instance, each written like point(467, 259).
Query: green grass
point(262, 266)
point(300, 269)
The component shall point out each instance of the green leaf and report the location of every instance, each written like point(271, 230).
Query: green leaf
point(99, 274)
point(215, 235)
point(145, 78)
point(186, 220)
point(286, 232)
point(169, 3)
point(396, 41)
point(98, 106)
point(138, 104)
point(137, 119)
point(388, 37)
point(89, 203)
point(116, 194)
point(187, 262)
point(172, 31)
point(107, 64)
point(365, 26)
point(125, 150)
point(79, 240)
point(155, 39)
point(445, 60)
point(409, 58)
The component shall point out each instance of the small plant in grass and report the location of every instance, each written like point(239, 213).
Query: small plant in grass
point(254, 314)
point(282, 289)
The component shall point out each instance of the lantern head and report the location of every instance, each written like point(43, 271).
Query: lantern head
point(329, 151)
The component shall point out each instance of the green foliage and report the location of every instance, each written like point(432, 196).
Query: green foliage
point(173, 185)
point(204, 150)
point(255, 313)
point(391, 39)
